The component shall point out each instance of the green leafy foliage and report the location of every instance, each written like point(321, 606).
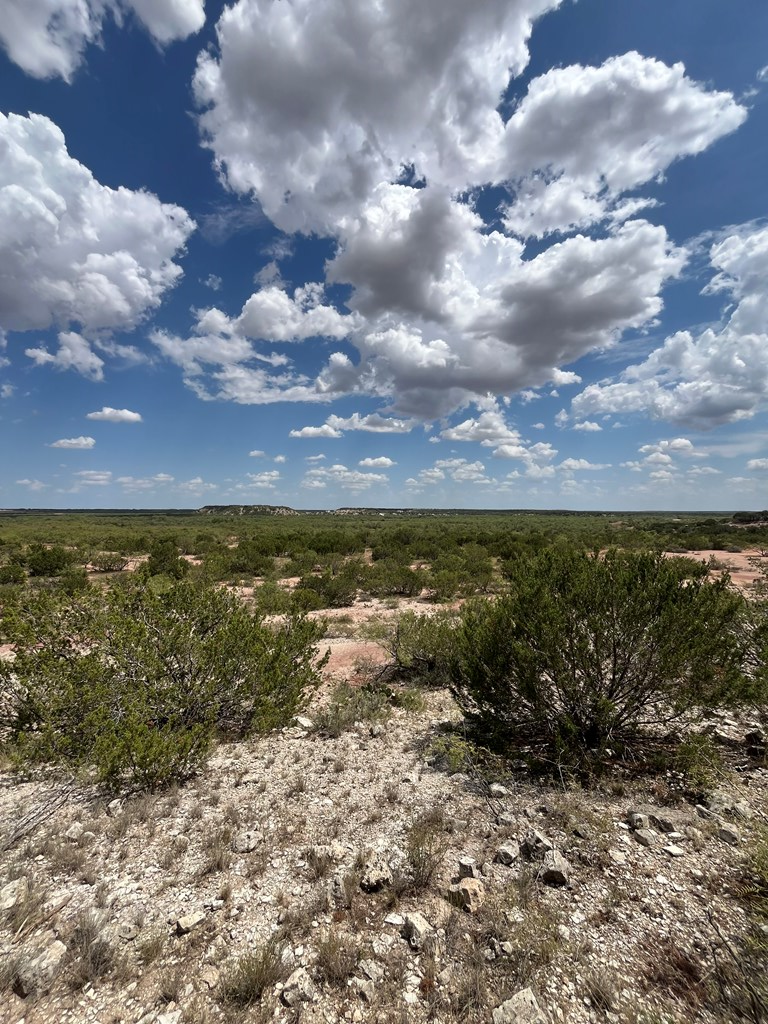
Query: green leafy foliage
point(138, 681)
point(164, 560)
point(47, 561)
point(421, 646)
point(586, 650)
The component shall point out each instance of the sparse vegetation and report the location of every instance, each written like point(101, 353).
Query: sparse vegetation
point(586, 651)
point(362, 788)
point(139, 684)
point(246, 980)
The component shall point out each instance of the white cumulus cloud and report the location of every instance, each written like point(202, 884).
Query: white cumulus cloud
point(74, 251)
point(109, 415)
point(82, 443)
point(74, 353)
point(47, 38)
point(718, 376)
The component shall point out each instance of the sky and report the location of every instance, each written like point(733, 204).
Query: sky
point(324, 253)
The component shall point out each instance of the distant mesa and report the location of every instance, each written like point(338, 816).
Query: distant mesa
point(247, 510)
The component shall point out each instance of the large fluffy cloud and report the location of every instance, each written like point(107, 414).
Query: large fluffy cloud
point(224, 356)
point(47, 38)
point(377, 126)
point(74, 251)
point(718, 376)
point(312, 103)
point(477, 316)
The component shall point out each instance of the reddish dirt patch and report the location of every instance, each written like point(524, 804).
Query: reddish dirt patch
point(741, 565)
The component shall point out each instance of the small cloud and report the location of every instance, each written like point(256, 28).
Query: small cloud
point(571, 465)
point(213, 281)
point(94, 477)
point(762, 74)
point(75, 443)
point(267, 479)
point(537, 426)
point(758, 464)
point(588, 426)
point(257, 453)
point(132, 483)
point(110, 415)
point(280, 459)
point(6, 390)
point(33, 485)
point(314, 458)
point(380, 463)
point(197, 486)
point(324, 431)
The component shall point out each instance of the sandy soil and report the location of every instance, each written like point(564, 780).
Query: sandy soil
point(740, 565)
point(349, 654)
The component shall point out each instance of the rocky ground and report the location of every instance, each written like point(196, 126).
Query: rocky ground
point(366, 870)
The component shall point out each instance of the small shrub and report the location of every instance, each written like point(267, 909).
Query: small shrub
point(585, 651)
point(319, 863)
point(218, 852)
point(426, 845)
point(350, 704)
point(336, 958)
point(420, 646)
point(171, 983)
point(678, 972)
point(12, 574)
point(600, 989)
point(698, 760)
point(252, 975)
point(137, 683)
point(149, 947)
point(451, 753)
point(90, 954)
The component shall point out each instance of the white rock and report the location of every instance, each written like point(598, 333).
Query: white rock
point(522, 1008)
point(36, 976)
point(377, 873)
point(189, 921)
point(245, 842)
point(507, 853)
point(729, 834)
point(14, 892)
point(555, 870)
point(299, 988)
point(416, 929)
point(74, 831)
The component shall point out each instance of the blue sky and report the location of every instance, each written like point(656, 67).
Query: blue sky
point(326, 253)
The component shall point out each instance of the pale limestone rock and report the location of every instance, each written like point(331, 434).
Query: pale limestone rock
point(35, 977)
point(416, 929)
point(74, 831)
point(729, 834)
point(645, 837)
point(245, 842)
point(468, 894)
point(522, 1008)
point(299, 988)
point(377, 873)
point(14, 892)
point(674, 851)
point(468, 868)
point(189, 921)
point(555, 870)
point(508, 853)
